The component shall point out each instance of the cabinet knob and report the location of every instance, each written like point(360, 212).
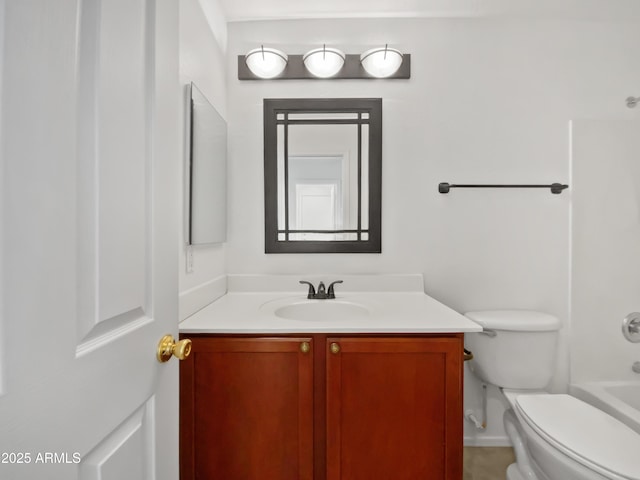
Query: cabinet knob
point(305, 347)
point(168, 347)
point(335, 348)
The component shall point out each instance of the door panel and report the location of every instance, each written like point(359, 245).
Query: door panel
point(115, 93)
point(247, 405)
point(90, 155)
point(124, 453)
point(394, 409)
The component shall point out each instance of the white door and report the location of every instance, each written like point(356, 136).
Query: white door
point(315, 209)
point(88, 203)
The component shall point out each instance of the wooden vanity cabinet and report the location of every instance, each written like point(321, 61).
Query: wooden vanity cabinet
point(352, 407)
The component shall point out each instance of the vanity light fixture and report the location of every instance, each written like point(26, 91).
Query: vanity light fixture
point(381, 62)
point(324, 62)
point(266, 62)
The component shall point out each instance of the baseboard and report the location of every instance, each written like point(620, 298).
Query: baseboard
point(493, 441)
point(197, 298)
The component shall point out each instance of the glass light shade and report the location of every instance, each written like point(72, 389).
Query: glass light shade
point(266, 62)
point(381, 62)
point(323, 62)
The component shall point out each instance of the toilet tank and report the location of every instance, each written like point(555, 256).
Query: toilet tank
point(517, 348)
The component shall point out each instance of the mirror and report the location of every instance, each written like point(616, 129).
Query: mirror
point(207, 172)
point(323, 175)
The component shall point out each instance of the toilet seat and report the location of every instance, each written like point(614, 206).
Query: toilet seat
point(582, 432)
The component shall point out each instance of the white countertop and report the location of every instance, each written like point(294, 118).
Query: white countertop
point(388, 312)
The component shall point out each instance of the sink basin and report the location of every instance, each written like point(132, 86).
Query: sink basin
point(322, 311)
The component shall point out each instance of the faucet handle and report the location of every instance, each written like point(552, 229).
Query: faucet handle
point(330, 292)
point(312, 290)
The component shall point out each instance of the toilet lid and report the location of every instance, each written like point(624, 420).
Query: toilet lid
point(584, 433)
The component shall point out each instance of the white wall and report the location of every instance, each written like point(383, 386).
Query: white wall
point(606, 247)
point(490, 100)
point(202, 61)
point(3, 347)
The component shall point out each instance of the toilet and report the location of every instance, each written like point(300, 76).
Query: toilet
point(554, 436)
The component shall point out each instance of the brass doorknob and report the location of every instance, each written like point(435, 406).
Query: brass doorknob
point(168, 346)
point(335, 348)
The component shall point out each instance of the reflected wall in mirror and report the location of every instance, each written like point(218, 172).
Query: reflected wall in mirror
point(323, 175)
point(207, 172)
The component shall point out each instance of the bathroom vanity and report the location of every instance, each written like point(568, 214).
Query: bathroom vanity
point(373, 391)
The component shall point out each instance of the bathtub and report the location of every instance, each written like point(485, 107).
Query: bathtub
point(619, 399)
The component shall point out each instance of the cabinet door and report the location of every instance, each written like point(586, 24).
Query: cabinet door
point(247, 409)
point(394, 408)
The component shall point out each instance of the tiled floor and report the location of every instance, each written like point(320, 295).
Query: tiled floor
point(487, 463)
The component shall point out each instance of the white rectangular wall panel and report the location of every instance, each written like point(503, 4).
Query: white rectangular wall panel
point(605, 248)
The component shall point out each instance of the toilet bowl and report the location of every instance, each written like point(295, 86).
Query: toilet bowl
point(555, 436)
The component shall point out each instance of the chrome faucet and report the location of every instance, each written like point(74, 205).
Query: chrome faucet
point(323, 293)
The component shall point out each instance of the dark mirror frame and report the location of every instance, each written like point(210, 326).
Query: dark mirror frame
point(274, 107)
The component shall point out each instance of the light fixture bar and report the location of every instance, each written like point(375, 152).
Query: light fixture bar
point(352, 70)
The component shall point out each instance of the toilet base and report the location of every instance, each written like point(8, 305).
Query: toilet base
point(513, 473)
